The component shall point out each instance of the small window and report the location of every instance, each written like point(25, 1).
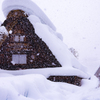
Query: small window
point(16, 38)
point(19, 58)
point(22, 38)
point(19, 38)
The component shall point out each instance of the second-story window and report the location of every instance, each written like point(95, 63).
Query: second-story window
point(16, 39)
point(22, 38)
point(19, 38)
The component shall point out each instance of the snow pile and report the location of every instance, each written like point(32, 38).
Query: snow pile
point(34, 19)
point(50, 71)
point(3, 30)
point(37, 87)
point(29, 7)
point(3, 33)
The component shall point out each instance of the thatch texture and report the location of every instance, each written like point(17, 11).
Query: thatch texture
point(38, 53)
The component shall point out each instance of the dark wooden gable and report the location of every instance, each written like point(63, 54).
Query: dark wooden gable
point(23, 49)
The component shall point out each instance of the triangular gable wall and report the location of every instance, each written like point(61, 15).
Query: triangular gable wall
point(31, 47)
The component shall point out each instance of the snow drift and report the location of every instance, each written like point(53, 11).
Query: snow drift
point(37, 87)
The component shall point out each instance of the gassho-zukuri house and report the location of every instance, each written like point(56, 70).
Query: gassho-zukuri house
point(29, 40)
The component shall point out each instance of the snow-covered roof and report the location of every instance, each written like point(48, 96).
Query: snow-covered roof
point(3, 30)
point(29, 7)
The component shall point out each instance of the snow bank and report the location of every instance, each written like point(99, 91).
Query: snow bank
point(49, 71)
point(3, 30)
point(34, 19)
point(29, 7)
point(37, 87)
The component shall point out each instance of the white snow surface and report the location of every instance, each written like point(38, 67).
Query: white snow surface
point(49, 72)
point(29, 7)
point(3, 30)
point(34, 19)
point(37, 87)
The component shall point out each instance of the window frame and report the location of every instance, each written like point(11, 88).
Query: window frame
point(17, 59)
point(19, 38)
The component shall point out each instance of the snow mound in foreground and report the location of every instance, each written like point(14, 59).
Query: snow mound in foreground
point(37, 87)
point(49, 72)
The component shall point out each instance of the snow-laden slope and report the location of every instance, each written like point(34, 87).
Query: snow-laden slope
point(37, 87)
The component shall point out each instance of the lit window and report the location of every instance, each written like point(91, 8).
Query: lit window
point(19, 58)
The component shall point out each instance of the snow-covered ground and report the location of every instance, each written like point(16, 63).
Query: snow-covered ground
point(78, 22)
point(37, 87)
